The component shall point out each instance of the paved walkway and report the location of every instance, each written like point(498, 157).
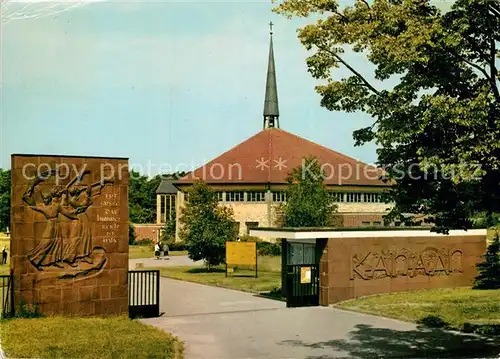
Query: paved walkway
point(164, 262)
point(218, 323)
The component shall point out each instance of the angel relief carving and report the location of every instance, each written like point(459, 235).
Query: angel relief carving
point(65, 246)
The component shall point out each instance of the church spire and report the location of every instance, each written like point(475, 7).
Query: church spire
point(271, 111)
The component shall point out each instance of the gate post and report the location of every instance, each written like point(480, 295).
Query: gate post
point(284, 267)
point(158, 293)
point(12, 307)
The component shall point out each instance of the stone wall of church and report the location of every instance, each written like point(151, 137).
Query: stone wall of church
point(355, 207)
point(151, 231)
point(250, 212)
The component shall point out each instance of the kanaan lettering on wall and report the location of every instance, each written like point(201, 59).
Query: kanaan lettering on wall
point(391, 263)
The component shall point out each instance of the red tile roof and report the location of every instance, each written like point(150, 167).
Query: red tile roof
point(268, 157)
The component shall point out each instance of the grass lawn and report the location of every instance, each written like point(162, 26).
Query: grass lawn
point(137, 251)
point(58, 337)
point(454, 306)
point(269, 275)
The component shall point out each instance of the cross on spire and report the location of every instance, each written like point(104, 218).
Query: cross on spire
point(271, 27)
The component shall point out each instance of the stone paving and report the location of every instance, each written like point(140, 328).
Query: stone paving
point(218, 323)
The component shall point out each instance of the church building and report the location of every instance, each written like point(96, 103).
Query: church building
point(251, 177)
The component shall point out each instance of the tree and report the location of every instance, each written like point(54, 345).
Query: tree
point(308, 202)
point(168, 232)
point(206, 226)
point(4, 199)
point(131, 234)
point(489, 269)
point(142, 202)
point(433, 94)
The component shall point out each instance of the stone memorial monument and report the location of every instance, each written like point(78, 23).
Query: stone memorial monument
point(69, 234)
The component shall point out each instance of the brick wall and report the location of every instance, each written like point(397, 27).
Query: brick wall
point(360, 220)
point(147, 231)
point(69, 240)
point(362, 207)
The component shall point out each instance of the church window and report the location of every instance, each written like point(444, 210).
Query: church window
point(371, 197)
point(162, 208)
point(256, 196)
point(337, 196)
point(279, 196)
point(235, 196)
point(166, 202)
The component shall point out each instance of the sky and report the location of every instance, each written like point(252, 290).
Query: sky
point(169, 85)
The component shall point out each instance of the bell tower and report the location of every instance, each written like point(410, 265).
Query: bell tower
point(271, 111)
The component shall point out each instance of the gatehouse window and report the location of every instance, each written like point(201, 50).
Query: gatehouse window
point(256, 196)
point(235, 196)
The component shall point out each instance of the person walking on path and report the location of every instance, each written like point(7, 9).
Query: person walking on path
point(157, 250)
point(4, 255)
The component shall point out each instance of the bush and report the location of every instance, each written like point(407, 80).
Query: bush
point(131, 234)
point(249, 238)
point(433, 321)
point(481, 329)
point(489, 269)
point(177, 246)
point(268, 249)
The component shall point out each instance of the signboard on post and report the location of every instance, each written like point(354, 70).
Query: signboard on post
point(241, 253)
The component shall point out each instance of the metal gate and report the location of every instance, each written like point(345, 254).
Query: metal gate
point(144, 293)
point(301, 274)
point(303, 285)
point(6, 296)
